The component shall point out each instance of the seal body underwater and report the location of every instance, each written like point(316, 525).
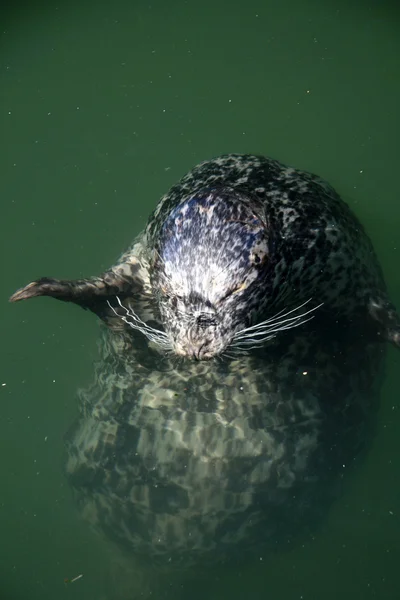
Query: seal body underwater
point(240, 365)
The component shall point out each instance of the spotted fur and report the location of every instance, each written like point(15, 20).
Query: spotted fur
point(191, 461)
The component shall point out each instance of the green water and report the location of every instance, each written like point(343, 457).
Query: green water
point(103, 106)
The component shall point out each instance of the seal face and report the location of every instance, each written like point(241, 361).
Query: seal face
point(212, 253)
point(264, 268)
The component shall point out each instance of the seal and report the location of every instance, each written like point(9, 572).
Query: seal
point(265, 286)
point(238, 240)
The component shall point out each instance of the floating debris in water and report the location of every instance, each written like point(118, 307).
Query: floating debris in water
point(67, 580)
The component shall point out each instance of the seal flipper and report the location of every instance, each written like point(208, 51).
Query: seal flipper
point(385, 314)
point(91, 294)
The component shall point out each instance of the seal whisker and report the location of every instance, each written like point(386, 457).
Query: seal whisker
point(280, 315)
point(276, 318)
point(245, 342)
point(266, 337)
point(270, 332)
point(275, 324)
point(235, 351)
point(159, 338)
point(256, 335)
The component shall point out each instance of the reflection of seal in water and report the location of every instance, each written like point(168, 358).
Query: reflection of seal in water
point(203, 459)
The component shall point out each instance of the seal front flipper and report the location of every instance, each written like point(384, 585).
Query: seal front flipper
point(91, 294)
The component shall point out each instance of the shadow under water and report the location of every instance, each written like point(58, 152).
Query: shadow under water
point(217, 462)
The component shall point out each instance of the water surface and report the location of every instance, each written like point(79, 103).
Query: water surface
point(103, 106)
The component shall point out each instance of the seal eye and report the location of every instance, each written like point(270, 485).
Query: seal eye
point(205, 320)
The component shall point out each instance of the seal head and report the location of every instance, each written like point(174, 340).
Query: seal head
point(212, 254)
